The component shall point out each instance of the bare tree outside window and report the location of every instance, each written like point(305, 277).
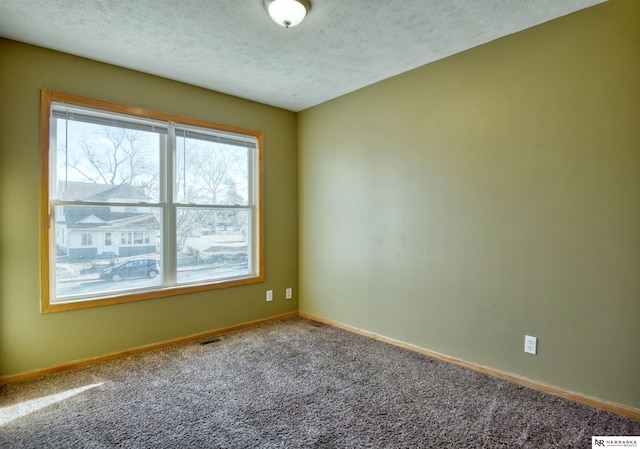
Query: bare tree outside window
point(108, 155)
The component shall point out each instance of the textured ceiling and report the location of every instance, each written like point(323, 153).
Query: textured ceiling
point(232, 46)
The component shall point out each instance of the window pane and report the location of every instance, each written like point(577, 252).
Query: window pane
point(101, 163)
point(89, 262)
point(211, 173)
point(212, 244)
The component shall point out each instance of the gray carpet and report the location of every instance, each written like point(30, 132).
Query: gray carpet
point(291, 384)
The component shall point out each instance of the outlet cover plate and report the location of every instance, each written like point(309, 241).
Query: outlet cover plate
point(530, 344)
point(269, 295)
point(289, 293)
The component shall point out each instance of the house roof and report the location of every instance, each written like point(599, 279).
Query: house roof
point(135, 223)
point(101, 217)
point(89, 191)
point(121, 192)
point(71, 190)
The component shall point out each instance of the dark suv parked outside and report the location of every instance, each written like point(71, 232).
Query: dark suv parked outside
point(131, 269)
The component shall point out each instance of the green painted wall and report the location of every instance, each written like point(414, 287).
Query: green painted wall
point(486, 196)
point(30, 340)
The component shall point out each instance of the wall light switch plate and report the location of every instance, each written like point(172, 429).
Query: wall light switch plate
point(530, 344)
point(269, 295)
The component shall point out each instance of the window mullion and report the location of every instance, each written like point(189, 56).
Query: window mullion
point(169, 259)
point(254, 235)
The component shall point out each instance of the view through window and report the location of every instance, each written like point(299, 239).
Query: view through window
point(142, 205)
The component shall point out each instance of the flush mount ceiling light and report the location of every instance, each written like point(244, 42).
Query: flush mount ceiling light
point(287, 13)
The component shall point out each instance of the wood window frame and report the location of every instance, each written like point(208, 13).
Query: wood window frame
point(47, 97)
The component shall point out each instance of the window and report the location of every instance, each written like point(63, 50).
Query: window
point(135, 238)
point(177, 200)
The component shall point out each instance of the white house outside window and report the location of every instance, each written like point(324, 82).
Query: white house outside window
point(180, 197)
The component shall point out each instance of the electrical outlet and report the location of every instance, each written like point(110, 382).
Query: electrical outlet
point(269, 295)
point(289, 293)
point(530, 344)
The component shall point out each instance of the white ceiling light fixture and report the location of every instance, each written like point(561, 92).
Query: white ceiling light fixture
point(287, 13)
